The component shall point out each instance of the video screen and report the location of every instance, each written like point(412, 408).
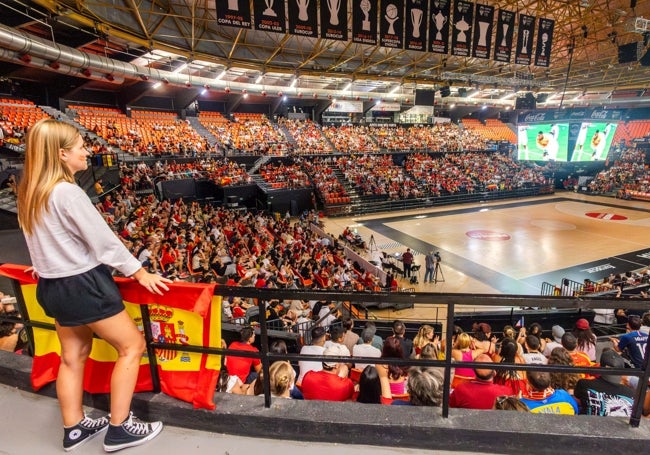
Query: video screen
point(594, 141)
point(543, 142)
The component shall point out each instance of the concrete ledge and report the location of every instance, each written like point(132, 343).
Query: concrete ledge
point(348, 423)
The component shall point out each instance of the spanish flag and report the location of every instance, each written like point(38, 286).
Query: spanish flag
point(187, 315)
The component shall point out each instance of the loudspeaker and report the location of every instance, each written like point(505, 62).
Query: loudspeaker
point(628, 53)
point(462, 92)
point(527, 102)
point(541, 97)
point(424, 97)
point(445, 91)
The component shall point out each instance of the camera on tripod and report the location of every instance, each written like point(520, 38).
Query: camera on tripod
point(437, 256)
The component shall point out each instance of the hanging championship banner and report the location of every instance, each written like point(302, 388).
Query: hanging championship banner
point(303, 18)
point(364, 22)
point(544, 42)
point(525, 39)
point(391, 30)
point(416, 25)
point(462, 29)
point(505, 34)
point(235, 13)
point(269, 16)
point(483, 25)
point(334, 19)
point(439, 28)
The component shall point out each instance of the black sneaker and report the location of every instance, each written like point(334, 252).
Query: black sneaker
point(132, 432)
point(76, 435)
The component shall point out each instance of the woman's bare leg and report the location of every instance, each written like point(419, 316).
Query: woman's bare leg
point(121, 333)
point(76, 343)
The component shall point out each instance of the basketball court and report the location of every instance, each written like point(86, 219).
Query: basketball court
point(512, 247)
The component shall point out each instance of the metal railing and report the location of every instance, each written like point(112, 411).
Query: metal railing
point(450, 301)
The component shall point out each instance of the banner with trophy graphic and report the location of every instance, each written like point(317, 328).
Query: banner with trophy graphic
point(269, 16)
point(391, 20)
point(417, 12)
point(505, 35)
point(544, 42)
point(483, 25)
point(334, 19)
point(364, 21)
point(462, 29)
point(303, 18)
point(439, 28)
point(235, 13)
point(525, 39)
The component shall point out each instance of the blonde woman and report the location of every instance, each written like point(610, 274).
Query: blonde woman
point(463, 352)
point(426, 335)
point(71, 246)
point(282, 377)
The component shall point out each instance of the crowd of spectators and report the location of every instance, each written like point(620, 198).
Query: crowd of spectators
point(146, 133)
point(628, 173)
point(326, 183)
point(377, 175)
point(15, 117)
point(308, 137)
point(248, 134)
point(441, 137)
point(351, 138)
point(281, 175)
point(454, 173)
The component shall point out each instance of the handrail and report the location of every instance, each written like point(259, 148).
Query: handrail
point(425, 298)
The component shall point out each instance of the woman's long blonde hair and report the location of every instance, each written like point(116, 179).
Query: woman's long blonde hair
point(422, 338)
point(282, 376)
point(43, 169)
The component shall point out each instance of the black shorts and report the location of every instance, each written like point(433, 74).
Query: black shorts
point(80, 299)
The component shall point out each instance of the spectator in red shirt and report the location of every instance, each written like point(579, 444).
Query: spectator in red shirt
point(332, 383)
point(479, 393)
point(242, 366)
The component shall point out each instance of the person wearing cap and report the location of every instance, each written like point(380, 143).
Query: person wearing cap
point(633, 342)
point(331, 383)
point(481, 392)
point(556, 342)
point(586, 338)
point(605, 396)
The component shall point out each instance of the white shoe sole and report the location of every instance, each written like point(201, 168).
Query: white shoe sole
point(149, 437)
point(80, 443)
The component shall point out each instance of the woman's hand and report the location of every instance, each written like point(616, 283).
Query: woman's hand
point(151, 282)
point(32, 271)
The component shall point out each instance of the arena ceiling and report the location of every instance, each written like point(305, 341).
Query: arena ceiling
point(182, 37)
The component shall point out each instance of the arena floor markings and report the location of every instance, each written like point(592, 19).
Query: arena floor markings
point(512, 247)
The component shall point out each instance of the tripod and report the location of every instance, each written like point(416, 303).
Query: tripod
point(372, 245)
point(437, 273)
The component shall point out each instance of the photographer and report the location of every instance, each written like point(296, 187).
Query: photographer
point(430, 261)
